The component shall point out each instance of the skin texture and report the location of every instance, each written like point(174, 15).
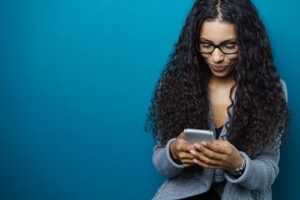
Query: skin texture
point(220, 83)
point(218, 154)
point(217, 31)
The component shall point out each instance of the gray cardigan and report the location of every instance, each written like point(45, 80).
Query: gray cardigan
point(182, 182)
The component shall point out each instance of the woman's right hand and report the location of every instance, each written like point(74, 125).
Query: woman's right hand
point(180, 151)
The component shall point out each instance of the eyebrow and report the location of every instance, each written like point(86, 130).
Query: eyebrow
point(225, 41)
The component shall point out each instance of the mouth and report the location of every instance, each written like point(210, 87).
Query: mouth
point(218, 68)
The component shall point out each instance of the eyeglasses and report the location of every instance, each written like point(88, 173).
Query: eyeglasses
point(226, 47)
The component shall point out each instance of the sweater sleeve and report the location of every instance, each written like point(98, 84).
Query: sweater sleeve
point(261, 171)
point(163, 162)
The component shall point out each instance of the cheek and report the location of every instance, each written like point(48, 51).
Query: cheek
point(232, 60)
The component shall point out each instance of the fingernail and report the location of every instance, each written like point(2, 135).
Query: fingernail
point(195, 161)
point(204, 144)
point(198, 146)
point(193, 152)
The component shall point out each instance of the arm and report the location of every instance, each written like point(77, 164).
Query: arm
point(163, 162)
point(170, 159)
point(263, 169)
point(260, 172)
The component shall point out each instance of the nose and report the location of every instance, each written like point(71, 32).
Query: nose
point(217, 55)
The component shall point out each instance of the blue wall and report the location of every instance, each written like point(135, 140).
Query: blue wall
point(76, 78)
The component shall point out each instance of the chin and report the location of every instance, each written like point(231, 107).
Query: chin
point(223, 74)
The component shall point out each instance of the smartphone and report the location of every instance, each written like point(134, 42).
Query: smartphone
point(198, 135)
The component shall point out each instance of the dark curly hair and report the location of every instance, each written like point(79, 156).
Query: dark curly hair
point(259, 109)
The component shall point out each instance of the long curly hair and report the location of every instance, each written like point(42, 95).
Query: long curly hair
point(259, 109)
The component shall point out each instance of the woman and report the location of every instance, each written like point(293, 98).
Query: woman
point(220, 77)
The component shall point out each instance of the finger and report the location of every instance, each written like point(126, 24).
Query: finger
point(184, 155)
point(206, 160)
point(181, 136)
point(205, 165)
point(191, 147)
point(187, 162)
point(221, 142)
point(207, 152)
point(216, 147)
point(181, 145)
point(212, 154)
point(184, 146)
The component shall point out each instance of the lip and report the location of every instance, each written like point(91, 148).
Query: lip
point(218, 68)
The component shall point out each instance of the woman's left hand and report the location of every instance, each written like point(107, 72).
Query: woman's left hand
point(218, 154)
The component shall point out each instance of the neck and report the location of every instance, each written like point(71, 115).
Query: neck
point(222, 81)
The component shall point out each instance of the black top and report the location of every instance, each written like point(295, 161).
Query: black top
point(209, 195)
point(218, 131)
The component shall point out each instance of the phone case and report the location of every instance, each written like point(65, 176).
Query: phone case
point(198, 135)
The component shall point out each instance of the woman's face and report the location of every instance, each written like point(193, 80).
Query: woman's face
point(218, 46)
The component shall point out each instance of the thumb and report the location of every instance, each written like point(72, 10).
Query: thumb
point(181, 136)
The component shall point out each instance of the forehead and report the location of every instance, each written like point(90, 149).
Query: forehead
point(217, 31)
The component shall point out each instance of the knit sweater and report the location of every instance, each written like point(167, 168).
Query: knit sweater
point(255, 182)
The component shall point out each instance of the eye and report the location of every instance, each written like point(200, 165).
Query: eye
point(230, 45)
point(205, 45)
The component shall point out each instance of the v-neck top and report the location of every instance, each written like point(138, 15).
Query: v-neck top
point(218, 131)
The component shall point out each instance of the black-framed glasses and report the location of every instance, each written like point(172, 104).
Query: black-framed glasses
point(226, 47)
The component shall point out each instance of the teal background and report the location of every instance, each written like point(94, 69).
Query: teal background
point(76, 78)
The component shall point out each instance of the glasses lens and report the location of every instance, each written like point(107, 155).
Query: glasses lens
point(226, 48)
point(229, 48)
point(205, 47)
